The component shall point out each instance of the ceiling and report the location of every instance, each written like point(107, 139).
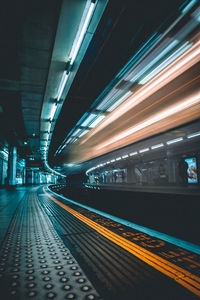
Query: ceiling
point(27, 37)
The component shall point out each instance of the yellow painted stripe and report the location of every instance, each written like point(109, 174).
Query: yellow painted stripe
point(181, 276)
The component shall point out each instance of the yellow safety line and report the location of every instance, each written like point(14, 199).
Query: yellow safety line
point(183, 277)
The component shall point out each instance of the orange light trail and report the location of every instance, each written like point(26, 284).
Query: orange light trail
point(184, 62)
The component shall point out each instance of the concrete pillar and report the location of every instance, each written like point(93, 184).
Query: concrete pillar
point(36, 177)
point(12, 165)
point(130, 174)
point(24, 176)
point(29, 176)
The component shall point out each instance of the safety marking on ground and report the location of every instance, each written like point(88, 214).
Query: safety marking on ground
point(138, 228)
point(164, 265)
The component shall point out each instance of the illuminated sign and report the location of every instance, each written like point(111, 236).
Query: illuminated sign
point(192, 170)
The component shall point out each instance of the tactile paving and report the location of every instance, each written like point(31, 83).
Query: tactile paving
point(35, 263)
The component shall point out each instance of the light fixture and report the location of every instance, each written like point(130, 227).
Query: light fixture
point(49, 127)
point(150, 64)
point(157, 146)
point(118, 102)
point(166, 62)
point(144, 150)
point(193, 135)
point(143, 50)
point(108, 99)
point(68, 140)
point(89, 119)
point(174, 141)
point(83, 133)
point(87, 14)
point(62, 85)
point(188, 6)
point(97, 121)
point(76, 131)
point(133, 153)
point(196, 15)
point(53, 110)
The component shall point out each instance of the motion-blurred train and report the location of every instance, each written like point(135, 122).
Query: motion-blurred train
point(145, 131)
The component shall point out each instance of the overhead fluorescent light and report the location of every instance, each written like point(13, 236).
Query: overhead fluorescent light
point(69, 165)
point(76, 131)
point(166, 62)
point(53, 110)
point(89, 120)
point(157, 146)
point(118, 102)
point(190, 4)
point(97, 121)
point(174, 141)
point(155, 60)
point(108, 99)
point(83, 133)
point(62, 85)
point(118, 158)
point(74, 140)
point(193, 135)
point(87, 14)
point(196, 15)
point(133, 153)
point(67, 142)
point(144, 150)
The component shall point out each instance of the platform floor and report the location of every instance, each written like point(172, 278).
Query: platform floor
point(54, 249)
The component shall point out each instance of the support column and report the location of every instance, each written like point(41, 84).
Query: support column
point(12, 165)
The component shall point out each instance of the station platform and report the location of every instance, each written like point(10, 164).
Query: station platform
point(53, 248)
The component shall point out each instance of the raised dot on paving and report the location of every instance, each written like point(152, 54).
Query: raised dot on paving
point(64, 279)
point(70, 296)
point(32, 294)
point(51, 295)
point(48, 286)
point(61, 273)
point(85, 288)
point(67, 287)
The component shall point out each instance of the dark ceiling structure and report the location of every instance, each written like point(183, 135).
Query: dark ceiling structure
point(28, 31)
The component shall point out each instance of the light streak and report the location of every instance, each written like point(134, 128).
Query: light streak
point(157, 117)
point(189, 58)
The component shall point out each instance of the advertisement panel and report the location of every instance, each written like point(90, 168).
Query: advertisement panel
point(192, 170)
